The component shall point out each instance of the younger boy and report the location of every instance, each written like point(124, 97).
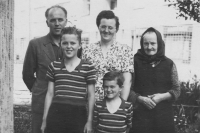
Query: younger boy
point(113, 114)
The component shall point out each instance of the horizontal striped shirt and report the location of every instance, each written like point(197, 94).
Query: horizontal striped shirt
point(71, 87)
point(106, 122)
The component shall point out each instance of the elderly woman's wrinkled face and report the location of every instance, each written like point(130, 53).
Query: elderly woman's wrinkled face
point(107, 29)
point(150, 43)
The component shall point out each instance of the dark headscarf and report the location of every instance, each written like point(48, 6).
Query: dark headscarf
point(160, 55)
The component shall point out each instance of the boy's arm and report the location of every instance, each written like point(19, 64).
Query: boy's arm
point(128, 129)
point(91, 101)
point(127, 85)
point(48, 101)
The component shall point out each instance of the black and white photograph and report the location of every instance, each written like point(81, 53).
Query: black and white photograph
point(99, 66)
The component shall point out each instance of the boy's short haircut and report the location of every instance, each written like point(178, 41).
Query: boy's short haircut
point(114, 75)
point(72, 30)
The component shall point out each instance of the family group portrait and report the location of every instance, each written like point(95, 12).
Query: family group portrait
point(100, 66)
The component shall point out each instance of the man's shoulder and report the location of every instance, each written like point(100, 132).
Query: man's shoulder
point(39, 40)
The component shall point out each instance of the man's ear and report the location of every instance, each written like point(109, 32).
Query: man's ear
point(65, 22)
point(47, 23)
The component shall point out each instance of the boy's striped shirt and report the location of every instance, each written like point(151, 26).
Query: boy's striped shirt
point(71, 87)
point(118, 122)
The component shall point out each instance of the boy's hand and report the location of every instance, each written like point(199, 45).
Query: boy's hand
point(88, 127)
point(43, 126)
point(127, 130)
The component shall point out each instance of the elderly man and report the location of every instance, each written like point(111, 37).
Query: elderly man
point(40, 53)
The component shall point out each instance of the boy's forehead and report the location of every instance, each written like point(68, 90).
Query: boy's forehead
point(114, 81)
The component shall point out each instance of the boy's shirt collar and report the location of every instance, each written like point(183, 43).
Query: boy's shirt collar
point(77, 68)
point(121, 106)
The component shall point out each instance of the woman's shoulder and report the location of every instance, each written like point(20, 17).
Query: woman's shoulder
point(91, 46)
point(169, 61)
point(123, 47)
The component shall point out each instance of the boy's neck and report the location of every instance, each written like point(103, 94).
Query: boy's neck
point(113, 100)
point(72, 61)
point(113, 104)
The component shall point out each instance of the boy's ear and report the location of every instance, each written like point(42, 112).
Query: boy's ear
point(80, 45)
point(122, 87)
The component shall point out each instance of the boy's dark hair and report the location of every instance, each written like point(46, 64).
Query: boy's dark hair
point(114, 75)
point(71, 30)
point(107, 14)
point(55, 6)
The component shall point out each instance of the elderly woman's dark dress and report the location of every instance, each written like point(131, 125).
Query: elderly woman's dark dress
point(154, 74)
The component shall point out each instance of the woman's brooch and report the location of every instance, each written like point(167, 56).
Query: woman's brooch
point(155, 63)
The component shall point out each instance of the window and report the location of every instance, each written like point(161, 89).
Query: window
point(17, 57)
point(113, 4)
point(85, 40)
point(38, 15)
point(86, 7)
point(22, 43)
point(178, 43)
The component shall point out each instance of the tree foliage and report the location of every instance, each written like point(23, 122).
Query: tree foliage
point(188, 9)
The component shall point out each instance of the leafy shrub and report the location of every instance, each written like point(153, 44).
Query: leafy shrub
point(22, 119)
point(187, 108)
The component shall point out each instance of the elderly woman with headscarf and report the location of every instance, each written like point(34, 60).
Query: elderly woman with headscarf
point(108, 55)
point(156, 84)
